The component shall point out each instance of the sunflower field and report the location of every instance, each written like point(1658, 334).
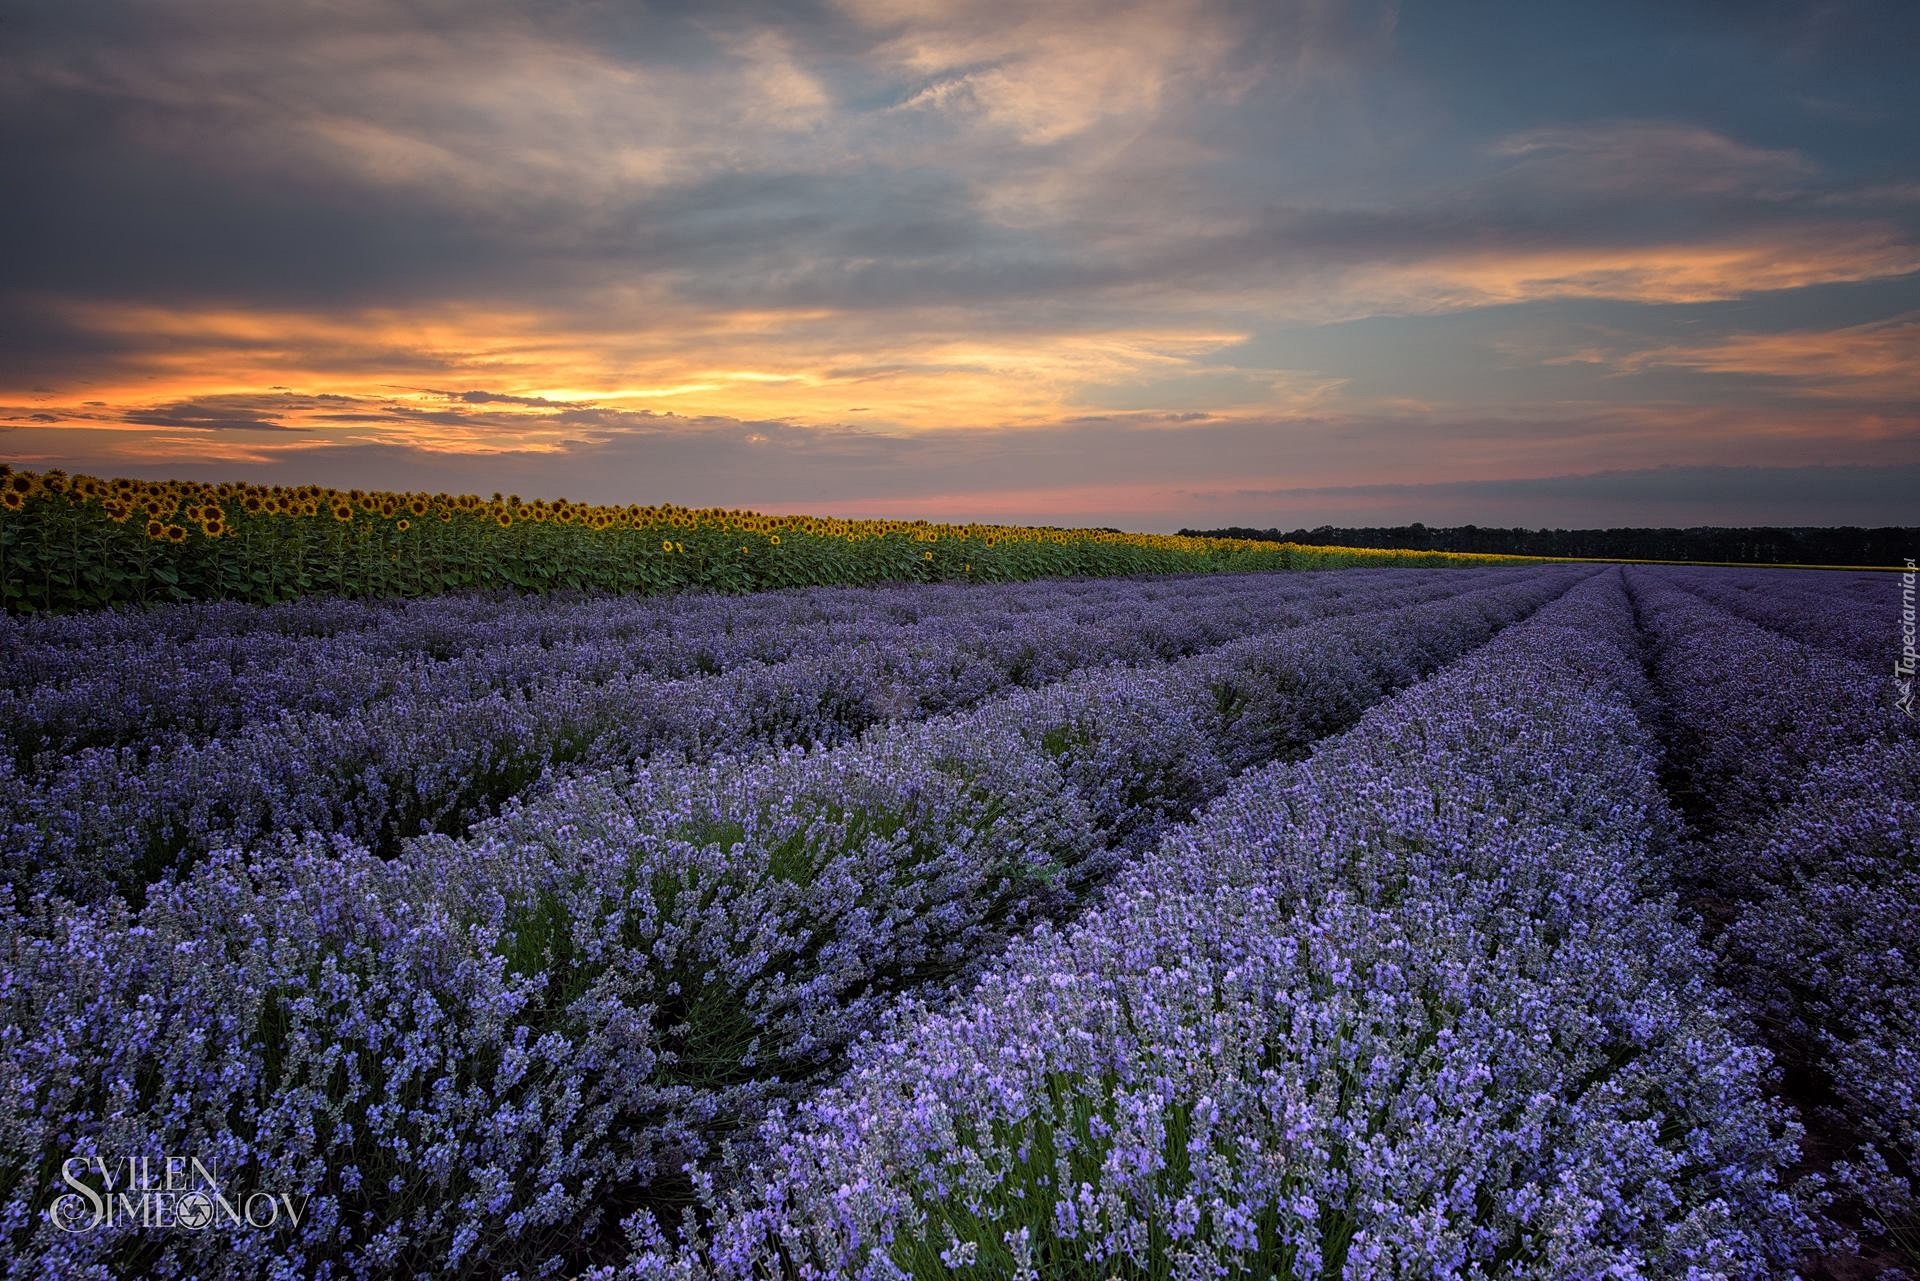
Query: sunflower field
point(79, 542)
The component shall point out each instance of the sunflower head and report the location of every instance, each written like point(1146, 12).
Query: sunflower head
point(176, 534)
point(403, 524)
point(505, 519)
point(12, 499)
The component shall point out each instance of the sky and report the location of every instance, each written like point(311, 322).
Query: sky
point(1148, 265)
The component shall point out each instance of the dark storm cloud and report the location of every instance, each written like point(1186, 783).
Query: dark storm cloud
point(223, 414)
point(490, 398)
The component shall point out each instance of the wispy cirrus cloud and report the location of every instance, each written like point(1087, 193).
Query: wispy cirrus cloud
point(1652, 157)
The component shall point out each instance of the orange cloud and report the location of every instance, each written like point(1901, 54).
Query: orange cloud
point(1878, 361)
point(1683, 272)
point(806, 366)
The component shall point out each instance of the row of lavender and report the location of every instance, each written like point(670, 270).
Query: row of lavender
point(1802, 778)
point(426, 757)
point(193, 672)
point(480, 1054)
point(1849, 613)
point(1417, 1007)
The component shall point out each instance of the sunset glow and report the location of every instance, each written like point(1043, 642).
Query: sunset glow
point(1167, 264)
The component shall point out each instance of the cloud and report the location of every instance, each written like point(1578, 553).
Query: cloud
point(490, 398)
point(1117, 238)
point(1695, 271)
point(1876, 361)
point(1659, 157)
point(225, 413)
point(1046, 74)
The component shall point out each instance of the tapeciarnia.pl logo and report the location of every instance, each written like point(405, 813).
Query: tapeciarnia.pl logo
point(147, 1193)
point(1904, 665)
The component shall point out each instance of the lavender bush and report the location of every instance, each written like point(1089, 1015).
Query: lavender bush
point(433, 758)
point(183, 674)
point(1847, 613)
point(1804, 789)
point(478, 1054)
point(1267, 926)
point(1365, 1018)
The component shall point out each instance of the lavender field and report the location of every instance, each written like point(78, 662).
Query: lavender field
point(1548, 922)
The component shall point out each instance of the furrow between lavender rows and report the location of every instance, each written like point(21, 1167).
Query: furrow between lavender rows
point(1801, 780)
point(105, 821)
point(1419, 1006)
point(535, 1029)
point(192, 672)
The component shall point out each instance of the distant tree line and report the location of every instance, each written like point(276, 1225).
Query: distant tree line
point(1757, 545)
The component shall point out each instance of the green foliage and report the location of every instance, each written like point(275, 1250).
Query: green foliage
point(79, 543)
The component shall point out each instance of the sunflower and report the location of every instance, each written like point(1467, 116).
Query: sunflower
point(176, 534)
point(505, 519)
point(666, 544)
point(11, 499)
point(156, 529)
point(403, 525)
point(418, 506)
point(774, 540)
point(342, 512)
point(253, 504)
point(926, 555)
